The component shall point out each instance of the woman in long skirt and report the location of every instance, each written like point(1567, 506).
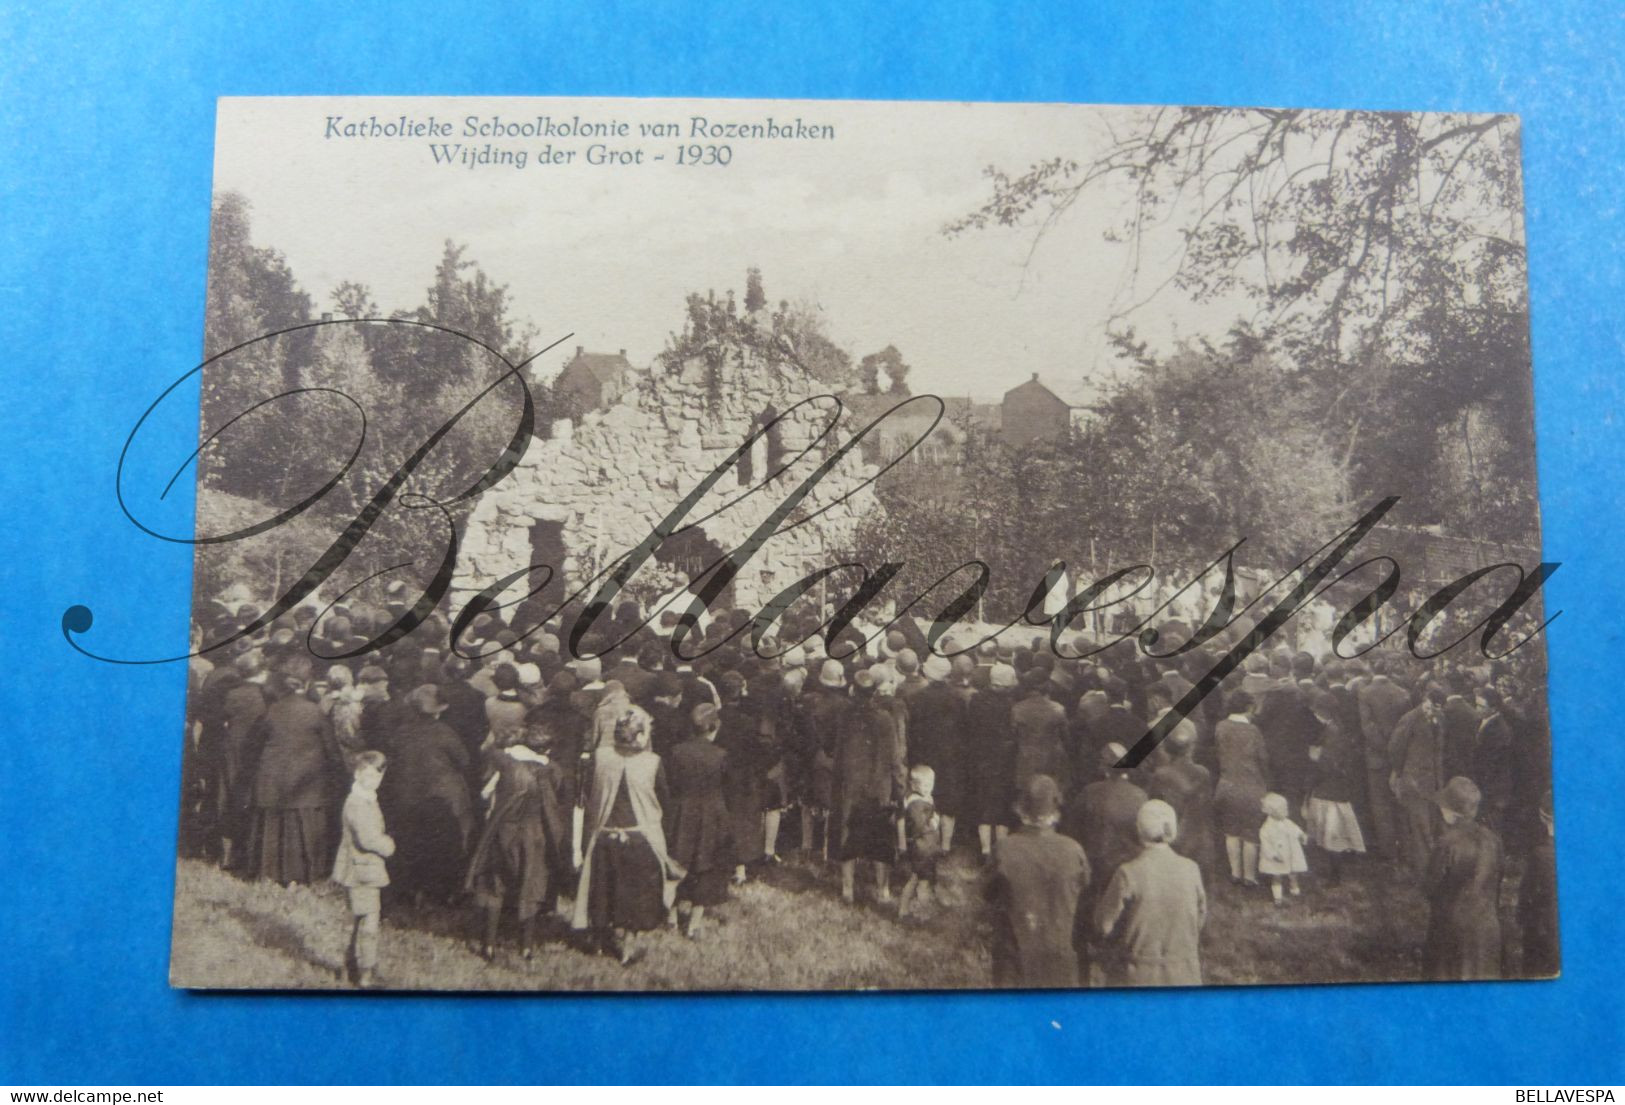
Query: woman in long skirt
point(627, 879)
point(525, 845)
point(1243, 782)
point(1338, 769)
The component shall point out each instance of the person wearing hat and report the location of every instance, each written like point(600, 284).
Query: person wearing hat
point(607, 705)
point(628, 881)
point(987, 654)
point(936, 731)
point(1152, 910)
point(1289, 728)
point(217, 761)
point(1463, 889)
point(505, 710)
point(747, 737)
point(910, 681)
point(869, 782)
point(1381, 703)
point(669, 723)
point(426, 800)
point(1537, 901)
point(1339, 775)
point(1493, 760)
point(885, 692)
point(990, 758)
point(823, 706)
point(1187, 786)
point(1038, 877)
point(699, 826)
point(336, 637)
point(1038, 728)
point(247, 614)
point(783, 722)
point(296, 786)
point(1460, 720)
point(380, 715)
point(1101, 817)
point(1416, 766)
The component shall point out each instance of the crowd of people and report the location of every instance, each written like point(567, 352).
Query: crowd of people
point(631, 790)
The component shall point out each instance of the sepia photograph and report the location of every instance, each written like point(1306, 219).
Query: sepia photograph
point(713, 545)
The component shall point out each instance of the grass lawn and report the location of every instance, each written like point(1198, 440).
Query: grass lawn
point(787, 930)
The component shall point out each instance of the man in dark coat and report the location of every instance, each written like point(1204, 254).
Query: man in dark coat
point(699, 826)
point(936, 724)
point(1289, 729)
point(1187, 786)
point(1038, 878)
point(870, 779)
point(1463, 888)
point(234, 755)
point(1492, 760)
point(1416, 759)
point(1460, 731)
point(426, 801)
point(1038, 730)
point(990, 757)
point(465, 706)
point(746, 738)
point(1381, 704)
point(823, 706)
point(1101, 817)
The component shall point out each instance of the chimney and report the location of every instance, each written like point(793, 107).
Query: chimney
point(623, 354)
point(1035, 377)
point(327, 316)
point(580, 349)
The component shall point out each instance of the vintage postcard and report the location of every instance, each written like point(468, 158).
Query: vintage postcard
point(711, 545)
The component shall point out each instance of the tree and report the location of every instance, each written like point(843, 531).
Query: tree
point(869, 374)
point(755, 297)
point(354, 300)
point(251, 292)
point(1374, 246)
point(890, 362)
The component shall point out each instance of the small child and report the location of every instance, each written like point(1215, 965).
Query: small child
point(1280, 847)
point(922, 837)
point(359, 866)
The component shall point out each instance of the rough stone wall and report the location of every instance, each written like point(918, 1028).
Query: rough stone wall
point(609, 479)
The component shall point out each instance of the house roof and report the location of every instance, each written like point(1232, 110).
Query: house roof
point(1074, 391)
point(606, 368)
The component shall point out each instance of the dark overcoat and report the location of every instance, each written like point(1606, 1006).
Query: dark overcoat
point(1463, 887)
point(699, 829)
point(1039, 875)
point(869, 780)
point(936, 726)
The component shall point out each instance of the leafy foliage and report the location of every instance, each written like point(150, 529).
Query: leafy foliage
point(374, 389)
point(1384, 255)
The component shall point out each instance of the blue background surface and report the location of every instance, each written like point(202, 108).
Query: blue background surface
point(106, 125)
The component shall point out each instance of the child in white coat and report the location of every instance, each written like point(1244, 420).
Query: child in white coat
point(1280, 847)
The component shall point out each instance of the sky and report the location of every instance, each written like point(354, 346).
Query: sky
point(608, 252)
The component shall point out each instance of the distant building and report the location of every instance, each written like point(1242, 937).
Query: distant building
point(1043, 408)
point(592, 380)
